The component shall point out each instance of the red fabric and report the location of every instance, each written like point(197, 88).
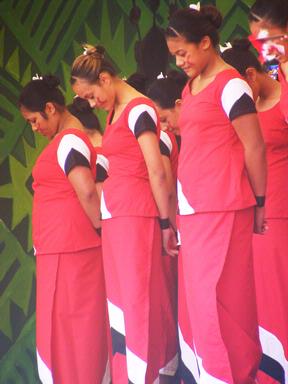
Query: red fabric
point(174, 154)
point(70, 316)
point(59, 222)
point(284, 94)
point(271, 277)
point(220, 293)
point(275, 133)
point(183, 316)
point(271, 250)
point(211, 161)
point(136, 282)
point(262, 378)
point(185, 330)
point(128, 174)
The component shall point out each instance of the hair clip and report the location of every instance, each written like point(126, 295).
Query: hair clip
point(161, 76)
point(223, 48)
point(37, 77)
point(196, 7)
point(174, 31)
point(258, 18)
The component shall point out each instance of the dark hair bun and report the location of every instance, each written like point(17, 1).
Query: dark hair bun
point(241, 44)
point(51, 81)
point(91, 50)
point(99, 49)
point(81, 105)
point(212, 13)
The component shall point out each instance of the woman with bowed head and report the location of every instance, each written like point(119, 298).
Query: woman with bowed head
point(135, 224)
point(169, 150)
point(70, 292)
point(221, 195)
point(270, 251)
point(166, 93)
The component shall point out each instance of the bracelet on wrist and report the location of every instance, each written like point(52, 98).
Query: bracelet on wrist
point(164, 223)
point(260, 201)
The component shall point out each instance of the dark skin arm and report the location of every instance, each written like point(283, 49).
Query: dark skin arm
point(149, 145)
point(249, 132)
point(82, 181)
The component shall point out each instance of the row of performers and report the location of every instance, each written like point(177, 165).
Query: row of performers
point(128, 274)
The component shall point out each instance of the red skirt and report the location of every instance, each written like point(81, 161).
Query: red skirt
point(188, 369)
point(271, 278)
point(142, 321)
point(220, 294)
point(71, 324)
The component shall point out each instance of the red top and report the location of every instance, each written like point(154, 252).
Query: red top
point(211, 172)
point(275, 131)
point(59, 221)
point(169, 148)
point(127, 190)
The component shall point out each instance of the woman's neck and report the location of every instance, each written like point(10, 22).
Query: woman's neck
point(214, 66)
point(269, 88)
point(124, 94)
point(269, 92)
point(67, 120)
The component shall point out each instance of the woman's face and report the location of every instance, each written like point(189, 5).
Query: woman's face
point(99, 95)
point(272, 43)
point(168, 119)
point(41, 122)
point(192, 58)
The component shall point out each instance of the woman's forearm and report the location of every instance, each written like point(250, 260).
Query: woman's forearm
point(256, 165)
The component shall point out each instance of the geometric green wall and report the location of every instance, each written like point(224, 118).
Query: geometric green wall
point(44, 36)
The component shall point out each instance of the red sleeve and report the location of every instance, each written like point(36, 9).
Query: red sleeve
point(284, 94)
point(186, 90)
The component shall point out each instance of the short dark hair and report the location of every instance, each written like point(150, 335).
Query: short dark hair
point(167, 90)
point(138, 81)
point(81, 109)
point(240, 56)
point(40, 91)
point(194, 25)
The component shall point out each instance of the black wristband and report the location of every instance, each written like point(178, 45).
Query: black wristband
point(164, 223)
point(260, 201)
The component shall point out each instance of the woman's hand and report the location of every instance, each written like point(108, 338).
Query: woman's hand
point(169, 242)
point(260, 224)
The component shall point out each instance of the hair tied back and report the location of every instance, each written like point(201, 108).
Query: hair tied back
point(241, 44)
point(98, 51)
point(197, 6)
point(223, 48)
point(161, 76)
point(37, 77)
point(51, 81)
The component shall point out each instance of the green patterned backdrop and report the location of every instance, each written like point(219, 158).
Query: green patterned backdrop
point(43, 36)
